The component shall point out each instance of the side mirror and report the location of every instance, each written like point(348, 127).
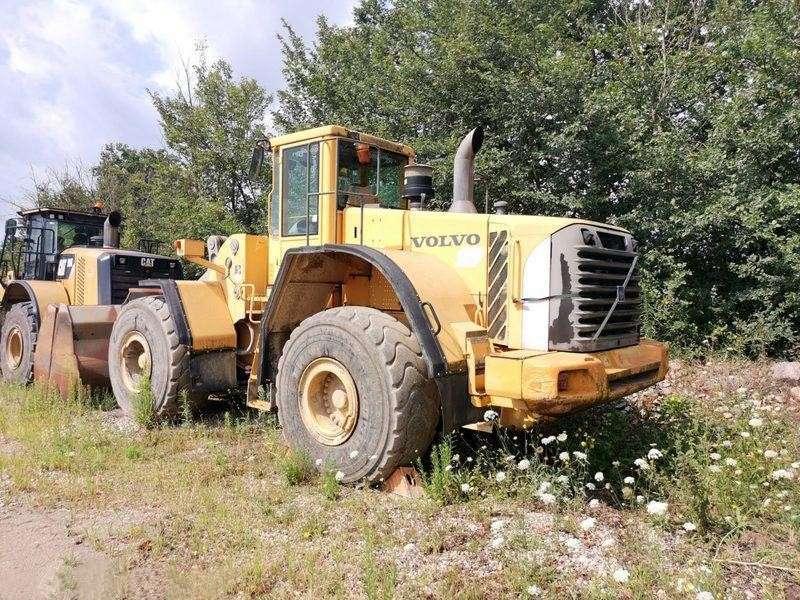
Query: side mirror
point(257, 160)
point(11, 227)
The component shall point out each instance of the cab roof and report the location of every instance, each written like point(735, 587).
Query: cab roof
point(329, 131)
point(32, 212)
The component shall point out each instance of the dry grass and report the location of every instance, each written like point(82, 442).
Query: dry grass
point(219, 508)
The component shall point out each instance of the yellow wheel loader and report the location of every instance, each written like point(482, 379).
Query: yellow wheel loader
point(368, 321)
point(63, 276)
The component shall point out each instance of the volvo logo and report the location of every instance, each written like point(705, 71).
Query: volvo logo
point(441, 241)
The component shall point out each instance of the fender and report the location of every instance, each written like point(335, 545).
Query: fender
point(42, 293)
point(429, 293)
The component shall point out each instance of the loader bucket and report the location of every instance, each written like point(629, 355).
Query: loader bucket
point(72, 347)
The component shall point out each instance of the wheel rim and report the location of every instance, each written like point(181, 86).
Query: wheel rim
point(328, 401)
point(135, 360)
point(14, 348)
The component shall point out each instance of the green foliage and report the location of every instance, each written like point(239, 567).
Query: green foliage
point(331, 487)
point(438, 480)
point(144, 412)
point(297, 467)
point(678, 121)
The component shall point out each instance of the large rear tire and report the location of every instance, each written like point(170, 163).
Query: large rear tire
point(144, 343)
point(353, 392)
point(18, 343)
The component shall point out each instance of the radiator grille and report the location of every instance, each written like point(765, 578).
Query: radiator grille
point(128, 271)
point(497, 284)
point(601, 275)
point(588, 274)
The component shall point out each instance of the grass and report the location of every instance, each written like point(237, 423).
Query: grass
point(218, 507)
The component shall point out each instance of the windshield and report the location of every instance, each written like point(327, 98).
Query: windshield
point(369, 175)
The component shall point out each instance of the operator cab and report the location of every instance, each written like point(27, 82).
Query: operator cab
point(33, 242)
point(321, 171)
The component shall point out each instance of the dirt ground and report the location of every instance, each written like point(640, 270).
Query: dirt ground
point(92, 508)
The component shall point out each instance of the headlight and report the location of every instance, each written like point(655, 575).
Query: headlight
point(536, 298)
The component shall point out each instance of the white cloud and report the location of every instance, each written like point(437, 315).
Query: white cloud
point(75, 74)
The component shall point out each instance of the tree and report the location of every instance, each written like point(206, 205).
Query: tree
point(677, 120)
point(210, 125)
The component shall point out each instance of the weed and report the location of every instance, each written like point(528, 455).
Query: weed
point(331, 487)
point(439, 481)
point(297, 467)
point(144, 404)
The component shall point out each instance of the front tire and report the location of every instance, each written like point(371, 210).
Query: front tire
point(18, 343)
point(353, 392)
point(144, 343)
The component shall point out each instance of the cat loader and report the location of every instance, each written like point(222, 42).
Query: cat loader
point(370, 322)
point(63, 278)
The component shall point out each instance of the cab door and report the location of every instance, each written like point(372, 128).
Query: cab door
point(302, 206)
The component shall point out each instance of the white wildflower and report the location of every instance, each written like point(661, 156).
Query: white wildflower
point(534, 590)
point(715, 456)
point(639, 499)
point(588, 523)
point(781, 474)
point(594, 503)
point(579, 455)
point(339, 476)
point(727, 444)
point(731, 462)
point(755, 422)
point(455, 458)
point(548, 440)
point(689, 526)
point(599, 476)
point(714, 468)
point(770, 454)
point(497, 525)
point(614, 463)
point(654, 454)
point(562, 437)
point(654, 507)
point(564, 456)
point(546, 498)
point(562, 479)
point(465, 487)
point(642, 464)
point(629, 480)
point(490, 415)
point(701, 595)
point(591, 486)
point(523, 464)
point(544, 486)
point(318, 462)
point(497, 542)
point(500, 476)
point(573, 543)
point(621, 576)
point(744, 434)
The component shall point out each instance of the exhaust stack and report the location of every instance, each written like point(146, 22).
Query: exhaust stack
point(111, 230)
point(464, 172)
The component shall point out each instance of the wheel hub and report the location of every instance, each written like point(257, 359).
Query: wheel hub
point(135, 359)
point(14, 348)
point(328, 401)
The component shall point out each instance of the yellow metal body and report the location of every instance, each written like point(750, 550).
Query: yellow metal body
point(445, 257)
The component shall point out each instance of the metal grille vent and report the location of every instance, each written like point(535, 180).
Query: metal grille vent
point(498, 281)
point(601, 275)
point(80, 281)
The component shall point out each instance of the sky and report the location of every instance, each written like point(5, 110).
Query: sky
point(74, 74)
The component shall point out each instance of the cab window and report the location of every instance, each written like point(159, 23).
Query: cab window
point(300, 185)
point(369, 175)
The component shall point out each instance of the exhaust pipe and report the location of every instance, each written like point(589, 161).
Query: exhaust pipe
point(464, 172)
point(111, 230)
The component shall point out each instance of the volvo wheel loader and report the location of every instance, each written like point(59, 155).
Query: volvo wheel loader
point(368, 321)
point(63, 278)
